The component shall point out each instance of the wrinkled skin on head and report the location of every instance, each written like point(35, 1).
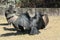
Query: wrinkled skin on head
point(46, 19)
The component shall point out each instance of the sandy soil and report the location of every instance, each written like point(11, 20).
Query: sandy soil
point(51, 32)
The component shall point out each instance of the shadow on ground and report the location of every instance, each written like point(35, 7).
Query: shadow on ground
point(13, 34)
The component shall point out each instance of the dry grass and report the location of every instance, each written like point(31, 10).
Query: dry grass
point(51, 32)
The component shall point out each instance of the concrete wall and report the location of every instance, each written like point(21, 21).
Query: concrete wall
point(49, 11)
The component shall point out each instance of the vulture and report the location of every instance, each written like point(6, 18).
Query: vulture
point(30, 20)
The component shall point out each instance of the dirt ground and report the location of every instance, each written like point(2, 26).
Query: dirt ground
point(51, 32)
